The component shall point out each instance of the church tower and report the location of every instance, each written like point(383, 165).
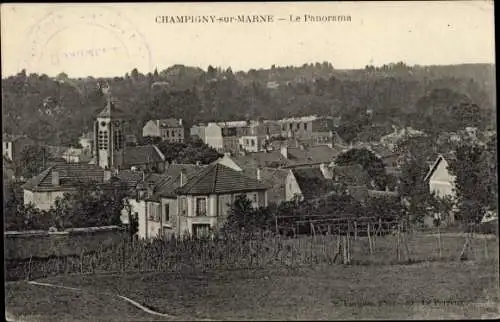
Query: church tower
point(109, 134)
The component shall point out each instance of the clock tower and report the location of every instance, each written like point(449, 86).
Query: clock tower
point(109, 135)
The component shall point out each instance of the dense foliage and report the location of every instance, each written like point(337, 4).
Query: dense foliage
point(188, 152)
point(372, 164)
point(57, 110)
point(90, 206)
point(476, 181)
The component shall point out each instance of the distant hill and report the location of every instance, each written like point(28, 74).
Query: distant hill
point(57, 110)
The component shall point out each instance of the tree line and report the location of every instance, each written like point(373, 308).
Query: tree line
point(57, 110)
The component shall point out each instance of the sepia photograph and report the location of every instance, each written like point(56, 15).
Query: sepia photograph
point(288, 161)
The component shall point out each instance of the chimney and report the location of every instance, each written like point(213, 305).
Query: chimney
point(107, 175)
point(284, 151)
point(326, 171)
point(197, 163)
point(258, 174)
point(55, 178)
point(180, 122)
point(301, 145)
point(183, 178)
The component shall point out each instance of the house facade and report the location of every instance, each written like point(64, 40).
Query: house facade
point(169, 130)
point(42, 190)
point(198, 131)
point(317, 128)
point(440, 180)
point(205, 200)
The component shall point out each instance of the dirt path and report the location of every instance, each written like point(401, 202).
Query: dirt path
point(166, 317)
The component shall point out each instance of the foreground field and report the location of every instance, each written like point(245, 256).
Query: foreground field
point(466, 289)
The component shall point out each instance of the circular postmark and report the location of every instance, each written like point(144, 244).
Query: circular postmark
point(85, 40)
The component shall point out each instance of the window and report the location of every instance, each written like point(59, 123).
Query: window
point(252, 142)
point(168, 133)
point(305, 126)
point(166, 214)
point(254, 197)
point(291, 126)
point(151, 215)
point(298, 126)
point(183, 205)
point(201, 206)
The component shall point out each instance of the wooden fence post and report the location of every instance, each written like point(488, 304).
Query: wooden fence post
point(439, 242)
point(344, 250)
point(399, 242)
point(369, 239)
point(485, 247)
point(355, 230)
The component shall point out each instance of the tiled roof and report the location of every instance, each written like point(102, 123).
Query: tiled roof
point(173, 172)
point(129, 177)
point(167, 123)
point(70, 175)
point(312, 183)
point(218, 179)
point(274, 178)
point(296, 156)
point(144, 154)
point(312, 155)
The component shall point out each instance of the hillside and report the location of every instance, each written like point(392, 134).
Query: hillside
point(56, 111)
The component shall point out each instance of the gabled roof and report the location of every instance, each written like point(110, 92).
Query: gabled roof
point(112, 111)
point(433, 168)
point(70, 176)
point(173, 172)
point(296, 157)
point(272, 177)
point(219, 179)
point(143, 154)
point(312, 155)
point(168, 123)
point(312, 183)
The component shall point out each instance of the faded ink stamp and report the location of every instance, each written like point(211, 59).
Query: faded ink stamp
point(65, 38)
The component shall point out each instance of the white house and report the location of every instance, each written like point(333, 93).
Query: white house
point(440, 180)
point(213, 136)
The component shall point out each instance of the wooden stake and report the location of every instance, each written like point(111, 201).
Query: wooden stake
point(355, 230)
point(369, 240)
point(344, 250)
point(439, 242)
point(485, 248)
point(398, 243)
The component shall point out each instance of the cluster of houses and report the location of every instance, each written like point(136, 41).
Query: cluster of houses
point(175, 199)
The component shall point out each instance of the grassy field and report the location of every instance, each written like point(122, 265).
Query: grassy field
point(37, 303)
point(417, 291)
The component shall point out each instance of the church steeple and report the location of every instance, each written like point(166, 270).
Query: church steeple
point(109, 133)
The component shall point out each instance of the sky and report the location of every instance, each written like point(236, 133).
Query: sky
point(111, 39)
